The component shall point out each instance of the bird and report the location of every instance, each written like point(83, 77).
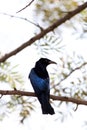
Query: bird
point(40, 82)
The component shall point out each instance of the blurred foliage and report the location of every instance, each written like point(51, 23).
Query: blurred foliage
point(49, 44)
point(12, 79)
point(23, 104)
point(69, 81)
point(47, 12)
point(55, 10)
point(9, 74)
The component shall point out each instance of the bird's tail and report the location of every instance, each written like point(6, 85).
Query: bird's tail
point(45, 105)
point(47, 109)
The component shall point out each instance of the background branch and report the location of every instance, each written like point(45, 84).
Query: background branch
point(22, 18)
point(25, 6)
point(72, 71)
point(44, 32)
point(60, 98)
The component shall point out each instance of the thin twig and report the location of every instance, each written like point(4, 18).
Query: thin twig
point(25, 6)
point(18, 17)
point(77, 68)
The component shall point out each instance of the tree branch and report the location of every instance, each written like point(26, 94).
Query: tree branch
point(25, 6)
point(44, 32)
point(72, 71)
point(22, 18)
point(60, 98)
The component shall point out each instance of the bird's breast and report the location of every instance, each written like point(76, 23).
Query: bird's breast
point(40, 83)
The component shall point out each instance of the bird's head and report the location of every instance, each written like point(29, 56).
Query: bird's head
point(45, 61)
point(40, 67)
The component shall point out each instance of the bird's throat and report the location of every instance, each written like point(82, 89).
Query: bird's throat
point(41, 72)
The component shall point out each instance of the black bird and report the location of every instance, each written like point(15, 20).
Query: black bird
point(40, 81)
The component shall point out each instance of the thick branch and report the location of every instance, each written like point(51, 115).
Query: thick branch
point(60, 98)
point(44, 32)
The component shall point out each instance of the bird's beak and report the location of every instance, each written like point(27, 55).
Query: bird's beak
point(52, 62)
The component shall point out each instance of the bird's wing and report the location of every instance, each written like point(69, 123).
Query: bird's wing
point(38, 83)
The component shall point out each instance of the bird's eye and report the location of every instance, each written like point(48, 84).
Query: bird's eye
point(46, 61)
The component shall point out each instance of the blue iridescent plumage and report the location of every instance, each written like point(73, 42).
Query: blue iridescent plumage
point(40, 82)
